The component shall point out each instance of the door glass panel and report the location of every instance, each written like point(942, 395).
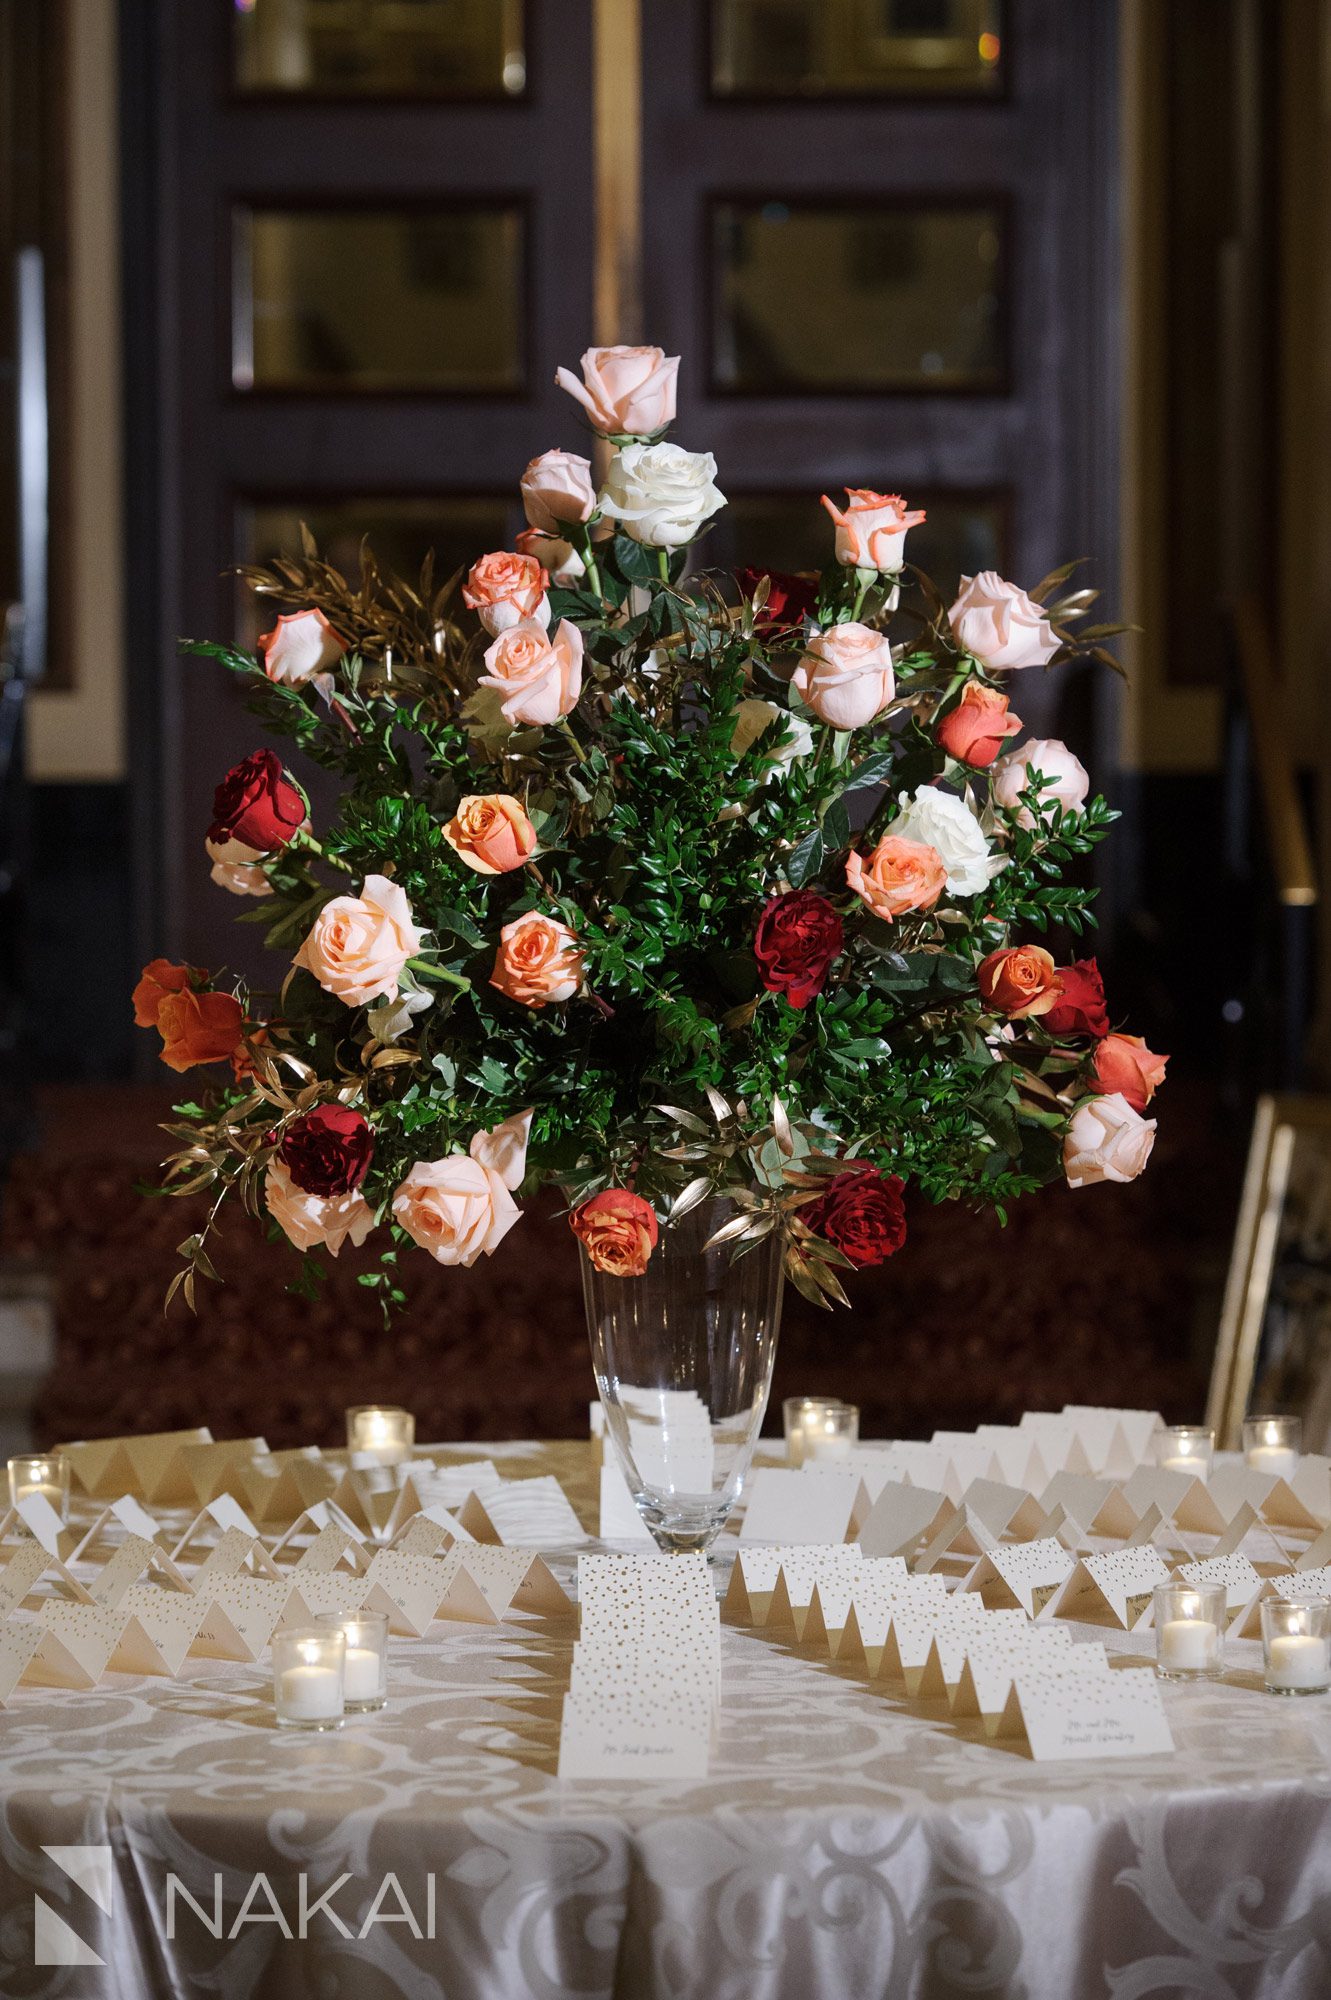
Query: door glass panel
point(381, 48)
point(428, 299)
point(908, 298)
point(855, 48)
point(962, 533)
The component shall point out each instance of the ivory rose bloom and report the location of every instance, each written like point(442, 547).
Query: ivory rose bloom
point(1124, 1065)
point(1106, 1141)
point(503, 589)
point(626, 391)
point(314, 1222)
point(235, 867)
point(1063, 778)
point(300, 645)
point(461, 1207)
point(618, 1231)
point(999, 625)
point(975, 730)
point(358, 945)
point(1020, 981)
point(661, 494)
point(846, 676)
point(871, 528)
point(538, 960)
point(492, 834)
point(538, 675)
point(900, 875)
point(558, 558)
point(942, 820)
point(557, 488)
point(753, 716)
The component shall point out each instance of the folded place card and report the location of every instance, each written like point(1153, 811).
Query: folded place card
point(1242, 1584)
point(1137, 1428)
point(434, 1531)
point(531, 1513)
point(1275, 1499)
point(969, 1455)
point(240, 1615)
point(40, 1519)
point(786, 1507)
point(1025, 1575)
point(1097, 1505)
point(1311, 1481)
point(1112, 1589)
point(876, 1596)
point(18, 1644)
point(911, 1633)
point(334, 1547)
point(753, 1576)
point(104, 1466)
point(1181, 1498)
point(620, 1520)
point(236, 1554)
point(901, 1518)
point(284, 1483)
point(1317, 1552)
point(160, 1624)
point(801, 1571)
point(312, 1521)
point(1060, 1446)
point(1018, 1455)
point(410, 1589)
point(957, 1547)
point(952, 1641)
point(919, 1464)
point(134, 1559)
point(836, 1591)
point(992, 1657)
point(224, 1515)
point(516, 1580)
point(25, 1569)
point(1069, 1712)
point(159, 1467)
point(216, 1468)
point(75, 1644)
point(643, 1691)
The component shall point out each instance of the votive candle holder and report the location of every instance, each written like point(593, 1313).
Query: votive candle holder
point(309, 1663)
point(1184, 1448)
point(1189, 1630)
point(43, 1475)
point(819, 1428)
point(1272, 1445)
point(365, 1671)
point(383, 1430)
point(1296, 1645)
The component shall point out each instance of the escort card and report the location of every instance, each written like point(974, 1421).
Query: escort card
point(1138, 1427)
point(1278, 1505)
point(135, 1558)
point(108, 1465)
point(911, 1634)
point(75, 1645)
point(1027, 1575)
point(532, 1513)
point(633, 1737)
point(1311, 1481)
point(801, 1571)
point(285, 1483)
point(836, 1591)
point(24, 1570)
point(901, 1518)
point(241, 1613)
point(1020, 1460)
point(217, 1469)
point(516, 1580)
point(957, 1547)
point(1181, 1498)
point(1068, 1712)
point(1241, 1581)
point(875, 1598)
point(1317, 1552)
point(334, 1547)
point(1112, 1589)
point(434, 1531)
point(160, 1624)
point(642, 1696)
point(992, 1658)
point(1097, 1506)
point(786, 1507)
point(951, 1643)
point(1060, 1447)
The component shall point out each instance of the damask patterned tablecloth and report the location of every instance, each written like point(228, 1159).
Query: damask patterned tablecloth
point(847, 1842)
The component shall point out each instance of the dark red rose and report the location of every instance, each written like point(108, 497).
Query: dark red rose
point(328, 1151)
point(790, 598)
point(799, 935)
point(862, 1215)
point(1080, 1007)
point(257, 804)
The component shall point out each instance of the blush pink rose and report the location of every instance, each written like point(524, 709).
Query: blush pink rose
point(1064, 780)
point(312, 1221)
point(559, 558)
point(503, 589)
point(871, 528)
point(846, 676)
point(538, 674)
point(538, 960)
point(461, 1207)
point(999, 625)
point(1106, 1141)
point(358, 945)
point(557, 488)
point(626, 391)
point(300, 645)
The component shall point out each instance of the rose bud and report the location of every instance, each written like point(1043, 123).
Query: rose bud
point(300, 645)
point(1019, 981)
point(799, 935)
point(558, 558)
point(626, 391)
point(1106, 1141)
point(1125, 1065)
point(975, 730)
point(492, 834)
point(158, 979)
point(791, 599)
point(503, 589)
point(846, 676)
point(1063, 779)
point(871, 529)
point(538, 961)
point(557, 489)
point(539, 676)
point(328, 1151)
point(861, 1215)
point(999, 625)
point(1080, 1008)
point(618, 1232)
point(257, 804)
point(899, 875)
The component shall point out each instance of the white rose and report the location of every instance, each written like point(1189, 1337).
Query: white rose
point(943, 821)
point(389, 1021)
point(1063, 777)
point(300, 645)
point(999, 625)
point(1106, 1141)
point(753, 716)
point(661, 494)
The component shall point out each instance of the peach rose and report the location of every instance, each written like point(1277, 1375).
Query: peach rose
point(999, 625)
point(557, 488)
point(846, 676)
point(1106, 1140)
point(300, 645)
point(626, 391)
point(1125, 1067)
point(1063, 778)
point(558, 558)
point(871, 528)
point(358, 945)
point(503, 589)
point(198, 1027)
point(539, 676)
point(312, 1221)
point(461, 1208)
point(618, 1231)
point(538, 960)
point(158, 979)
point(899, 875)
point(975, 730)
point(492, 834)
point(1020, 981)
point(235, 868)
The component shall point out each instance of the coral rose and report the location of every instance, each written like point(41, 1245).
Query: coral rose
point(871, 528)
point(159, 978)
point(626, 391)
point(199, 1027)
point(618, 1232)
point(1080, 1008)
point(1063, 779)
point(557, 488)
point(862, 1215)
point(975, 730)
point(899, 875)
point(257, 804)
point(461, 1208)
point(328, 1151)
point(310, 1221)
point(503, 589)
point(491, 833)
point(539, 677)
point(846, 675)
point(538, 960)
point(799, 935)
point(300, 645)
point(358, 945)
point(999, 625)
point(1106, 1140)
point(1124, 1065)
point(1020, 981)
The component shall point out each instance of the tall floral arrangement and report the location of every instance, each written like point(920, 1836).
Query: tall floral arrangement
point(652, 883)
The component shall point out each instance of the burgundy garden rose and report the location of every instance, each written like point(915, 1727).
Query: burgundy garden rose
point(328, 1151)
point(799, 935)
point(257, 804)
point(1080, 1008)
point(862, 1215)
point(790, 598)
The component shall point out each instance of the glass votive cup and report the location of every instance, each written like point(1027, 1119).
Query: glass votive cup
point(1184, 1448)
point(1272, 1445)
point(365, 1669)
point(1189, 1630)
point(819, 1428)
point(1296, 1644)
point(40, 1474)
point(308, 1665)
point(383, 1430)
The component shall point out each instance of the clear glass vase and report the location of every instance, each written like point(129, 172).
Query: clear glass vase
point(683, 1359)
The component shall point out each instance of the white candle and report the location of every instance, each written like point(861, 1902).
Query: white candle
point(361, 1678)
point(818, 1447)
point(42, 1490)
point(310, 1694)
point(1189, 1645)
point(1278, 1461)
point(1196, 1467)
point(1297, 1660)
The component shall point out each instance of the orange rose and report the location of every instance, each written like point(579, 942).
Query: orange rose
point(617, 1230)
point(199, 1027)
point(899, 875)
point(975, 730)
point(537, 961)
point(1123, 1063)
point(158, 978)
point(503, 589)
point(243, 1062)
point(492, 834)
point(1021, 981)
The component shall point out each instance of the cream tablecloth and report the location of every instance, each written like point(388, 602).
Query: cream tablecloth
point(846, 1843)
